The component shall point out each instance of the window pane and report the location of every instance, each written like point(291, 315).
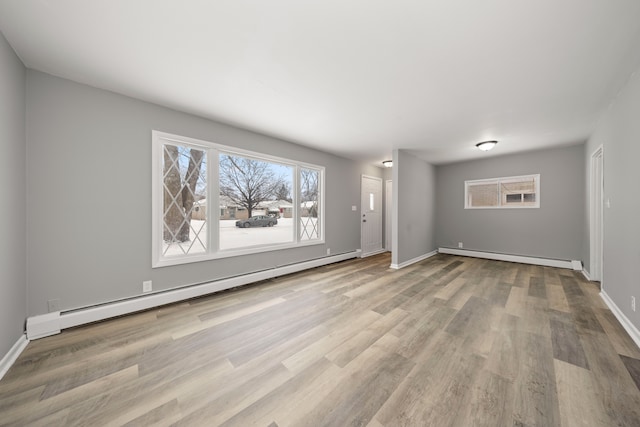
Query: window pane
point(184, 204)
point(255, 202)
point(518, 190)
point(514, 198)
point(309, 204)
point(482, 195)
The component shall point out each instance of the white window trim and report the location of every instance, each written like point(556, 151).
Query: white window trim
point(498, 181)
point(213, 151)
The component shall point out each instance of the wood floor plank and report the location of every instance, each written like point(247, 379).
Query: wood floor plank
point(448, 341)
point(420, 333)
point(450, 288)
point(491, 402)
point(59, 402)
point(334, 337)
point(164, 415)
point(586, 410)
point(498, 294)
point(619, 338)
point(215, 410)
point(566, 344)
point(350, 349)
point(557, 298)
point(472, 316)
point(362, 393)
point(288, 394)
point(408, 398)
point(536, 398)
point(633, 366)
point(614, 386)
point(505, 356)
point(537, 287)
point(435, 389)
point(134, 399)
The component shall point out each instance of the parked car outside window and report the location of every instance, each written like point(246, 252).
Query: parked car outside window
point(257, 221)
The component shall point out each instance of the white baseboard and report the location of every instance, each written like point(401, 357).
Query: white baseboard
point(52, 323)
point(546, 262)
point(414, 260)
point(43, 325)
point(9, 359)
point(380, 251)
point(585, 273)
point(633, 332)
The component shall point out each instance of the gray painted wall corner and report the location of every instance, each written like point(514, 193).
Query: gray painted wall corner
point(13, 280)
point(414, 184)
point(618, 132)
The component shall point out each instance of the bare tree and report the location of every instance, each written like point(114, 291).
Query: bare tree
point(179, 192)
point(309, 190)
point(247, 182)
point(284, 192)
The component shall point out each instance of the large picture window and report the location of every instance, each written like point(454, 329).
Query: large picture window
point(212, 201)
point(510, 192)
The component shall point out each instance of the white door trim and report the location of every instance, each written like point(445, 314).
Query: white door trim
point(388, 215)
point(363, 208)
point(596, 214)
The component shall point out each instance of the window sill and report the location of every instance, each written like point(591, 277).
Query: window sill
point(188, 259)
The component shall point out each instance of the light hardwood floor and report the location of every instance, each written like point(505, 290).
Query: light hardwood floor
point(450, 341)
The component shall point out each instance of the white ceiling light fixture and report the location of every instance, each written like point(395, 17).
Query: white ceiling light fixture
point(486, 145)
point(387, 163)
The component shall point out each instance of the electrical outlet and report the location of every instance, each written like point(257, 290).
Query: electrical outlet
point(53, 305)
point(328, 251)
point(460, 245)
point(147, 286)
point(354, 208)
point(633, 303)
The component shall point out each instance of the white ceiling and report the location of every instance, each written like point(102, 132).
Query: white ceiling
point(354, 77)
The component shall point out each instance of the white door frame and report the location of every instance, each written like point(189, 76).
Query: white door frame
point(364, 246)
point(596, 214)
point(388, 214)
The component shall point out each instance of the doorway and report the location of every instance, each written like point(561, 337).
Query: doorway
point(371, 215)
point(596, 226)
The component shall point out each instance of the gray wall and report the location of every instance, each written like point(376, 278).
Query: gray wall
point(619, 133)
point(89, 195)
point(13, 288)
point(414, 207)
point(555, 230)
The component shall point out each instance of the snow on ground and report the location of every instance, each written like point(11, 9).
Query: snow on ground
point(232, 237)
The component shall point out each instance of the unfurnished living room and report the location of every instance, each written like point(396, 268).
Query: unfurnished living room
point(288, 213)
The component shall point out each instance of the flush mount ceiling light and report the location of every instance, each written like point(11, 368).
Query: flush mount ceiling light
point(486, 145)
point(388, 163)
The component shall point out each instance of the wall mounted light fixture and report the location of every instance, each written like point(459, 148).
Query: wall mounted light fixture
point(388, 163)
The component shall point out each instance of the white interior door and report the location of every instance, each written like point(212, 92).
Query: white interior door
point(371, 215)
point(597, 202)
point(388, 209)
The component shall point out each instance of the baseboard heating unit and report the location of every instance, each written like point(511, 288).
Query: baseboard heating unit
point(547, 262)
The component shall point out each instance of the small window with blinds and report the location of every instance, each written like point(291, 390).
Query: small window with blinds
point(497, 193)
